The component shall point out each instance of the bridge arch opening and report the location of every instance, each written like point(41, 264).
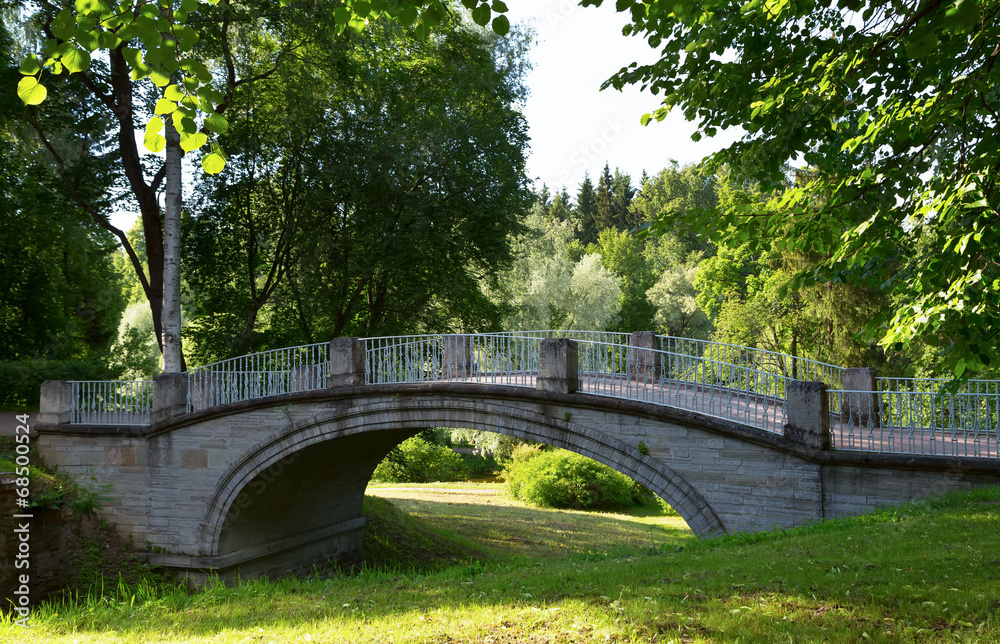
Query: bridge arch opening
point(295, 499)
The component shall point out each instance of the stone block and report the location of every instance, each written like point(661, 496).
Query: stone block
point(56, 402)
point(558, 363)
point(347, 363)
point(864, 409)
point(808, 411)
point(456, 357)
point(644, 357)
point(170, 397)
point(194, 459)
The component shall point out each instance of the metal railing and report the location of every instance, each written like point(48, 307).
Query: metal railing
point(733, 392)
point(258, 375)
point(730, 382)
point(115, 402)
point(903, 419)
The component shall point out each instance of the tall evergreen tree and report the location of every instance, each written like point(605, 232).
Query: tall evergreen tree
point(622, 193)
point(586, 208)
point(605, 189)
point(561, 207)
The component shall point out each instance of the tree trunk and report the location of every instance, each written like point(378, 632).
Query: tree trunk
point(171, 342)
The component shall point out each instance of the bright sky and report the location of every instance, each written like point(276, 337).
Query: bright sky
point(575, 127)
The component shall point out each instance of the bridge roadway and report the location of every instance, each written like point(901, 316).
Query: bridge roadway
point(275, 484)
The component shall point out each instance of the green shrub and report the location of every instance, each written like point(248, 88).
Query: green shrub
point(21, 380)
point(479, 466)
point(562, 479)
point(417, 461)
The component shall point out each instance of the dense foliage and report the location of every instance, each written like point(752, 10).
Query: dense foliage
point(892, 107)
point(555, 478)
point(389, 215)
point(60, 297)
point(418, 460)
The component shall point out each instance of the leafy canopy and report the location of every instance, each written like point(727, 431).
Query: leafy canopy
point(157, 39)
point(893, 108)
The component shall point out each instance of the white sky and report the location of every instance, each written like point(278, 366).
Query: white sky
point(575, 127)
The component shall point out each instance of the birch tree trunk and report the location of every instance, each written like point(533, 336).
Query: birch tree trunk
point(171, 315)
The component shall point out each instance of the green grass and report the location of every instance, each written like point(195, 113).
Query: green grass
point(924, 573)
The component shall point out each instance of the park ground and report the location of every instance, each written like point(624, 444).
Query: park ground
point(462, 563)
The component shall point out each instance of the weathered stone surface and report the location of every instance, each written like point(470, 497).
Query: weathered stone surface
point(864, 409)
point(558, 366)
point(170, 397)
point(808, 413)
point(456, 356)
point(644, 357)
point(347, 362)
point(56, 402)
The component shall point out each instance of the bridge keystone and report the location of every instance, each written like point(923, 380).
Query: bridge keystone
point(808, 414)
point(558, 366)
point(170, 397)
point(347, 362)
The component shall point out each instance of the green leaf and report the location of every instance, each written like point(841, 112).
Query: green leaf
point(87, 6)
point(64, 25)
point(342, 15)
point(154, 142)
point(30, 66)
point(30, 91)
point(193, 141)
point(481, 15)
point(362, 8)
point(173, 93)
point(154, 126)
point(501, 25)
point(501, 7)
point(159, 76)
point(164, 106)
point(108, 40)
point(76, 60)
point(216, 123)
point(431, 16)
point(213, 163)
point(408, 16)
point(88, 39)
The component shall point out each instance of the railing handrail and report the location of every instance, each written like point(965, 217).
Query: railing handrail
point(721, 374)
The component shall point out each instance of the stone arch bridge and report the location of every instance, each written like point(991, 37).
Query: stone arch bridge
point(259, 465)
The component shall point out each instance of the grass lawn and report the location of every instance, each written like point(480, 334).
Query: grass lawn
point(925, 573)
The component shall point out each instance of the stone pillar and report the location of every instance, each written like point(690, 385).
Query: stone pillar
point(807, 411)
point(558, 366)
point(457, 358)
point(347, 362)
point(56, 403)
point(865, 408)
point(644, 357)
point(170, 397)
